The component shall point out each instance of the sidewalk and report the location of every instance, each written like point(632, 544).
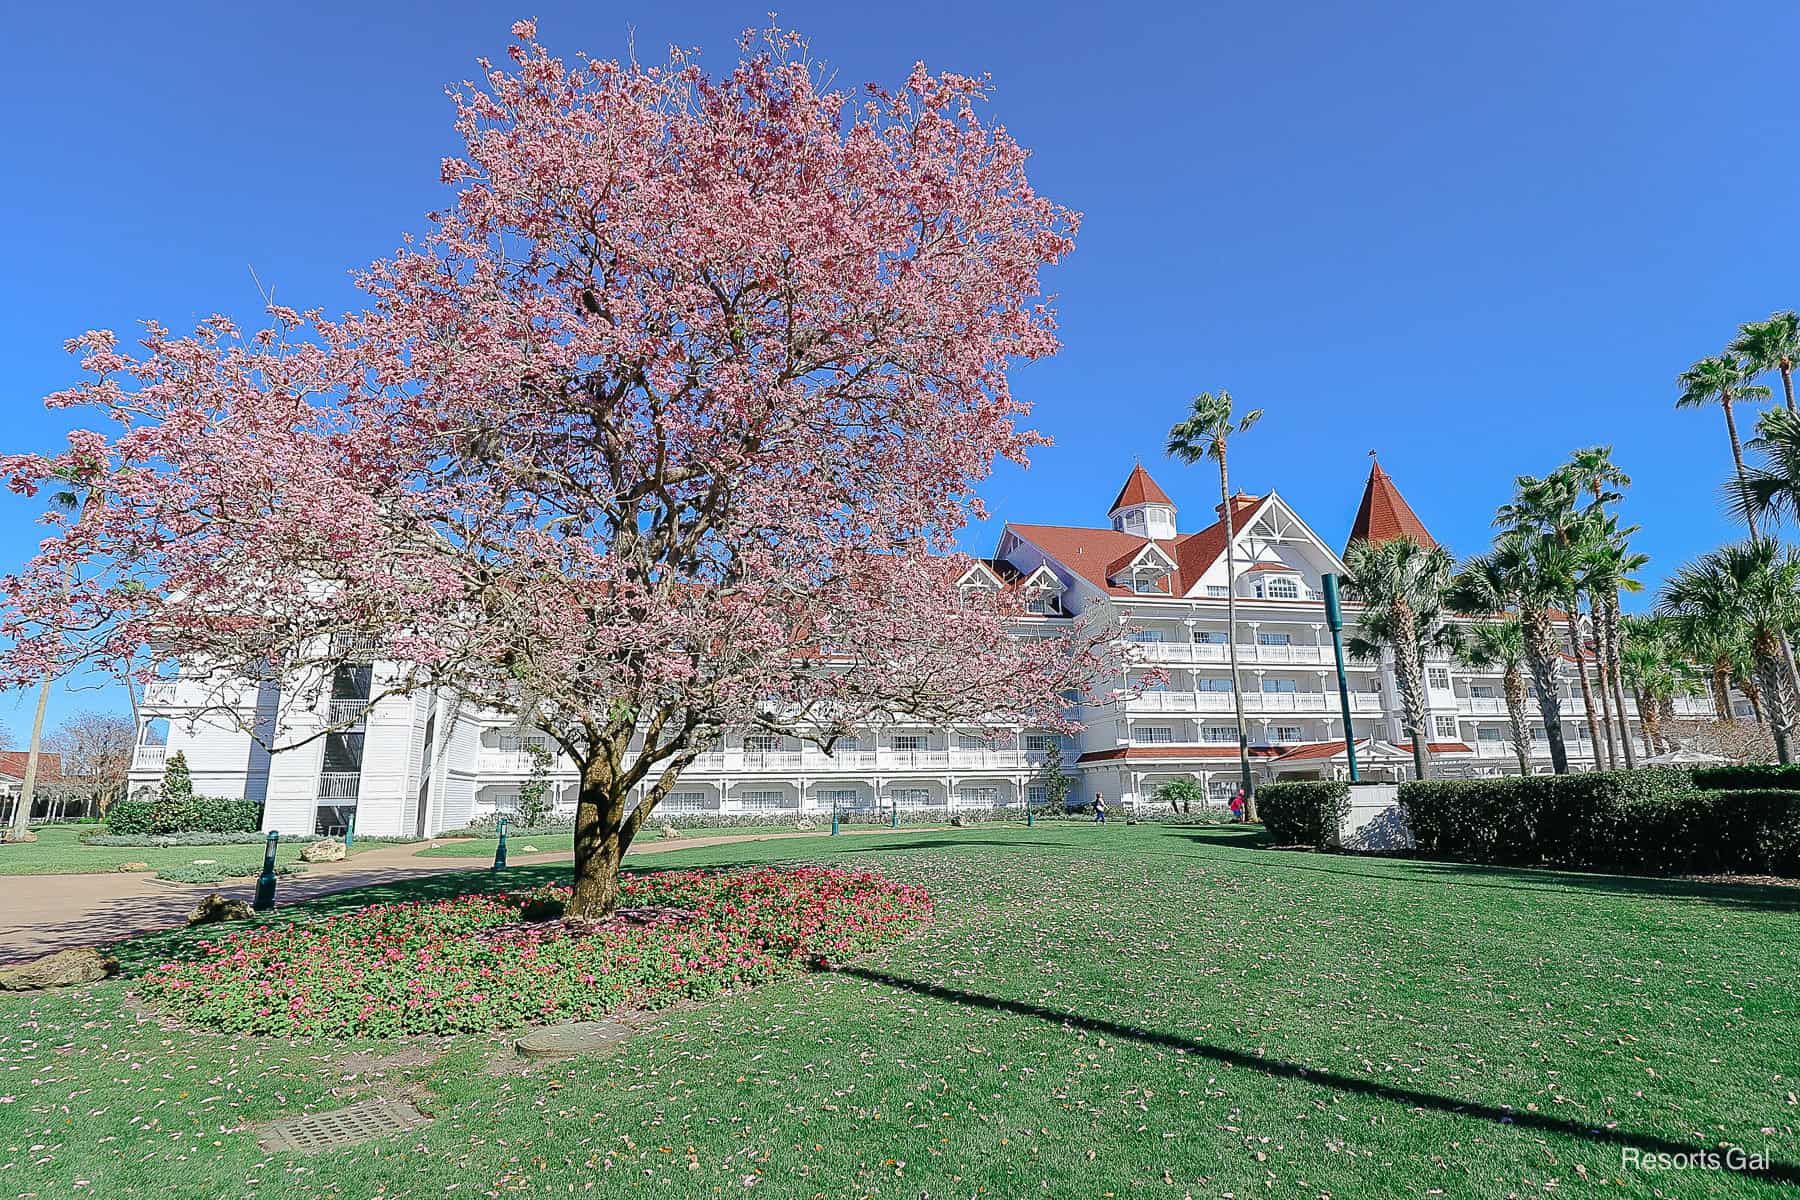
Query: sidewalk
point(43, 913)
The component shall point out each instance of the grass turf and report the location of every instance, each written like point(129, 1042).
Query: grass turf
point(59, 851)
point(1135, 1011)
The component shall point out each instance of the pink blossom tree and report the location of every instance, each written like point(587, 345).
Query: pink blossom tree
point(665, 425)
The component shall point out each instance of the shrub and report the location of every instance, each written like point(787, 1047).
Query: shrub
point(215, 872)
point(224, 814)
point(1651, 820)
point(131, 818)
point(1749, 777)
point(1304, 812)
point(475, 963)
point(173, 807)
point(201, 839)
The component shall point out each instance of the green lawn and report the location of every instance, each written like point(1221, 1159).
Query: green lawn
point(58, 851)
point(1129, 1011)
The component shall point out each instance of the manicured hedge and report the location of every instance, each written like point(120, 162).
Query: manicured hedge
point(205, 814)
point(1650, 820)
point(1304, 812)
point(1749, 776)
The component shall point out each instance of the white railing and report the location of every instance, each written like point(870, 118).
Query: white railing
point(346, 712)
point(1481, 705)
point(1218, 652)
point(1286, 654)
point(338, 785)
point(149, 757)
point(1286, 701)
point(162, 691)
point(510, 762)
point(915, 758)
point(771, 760)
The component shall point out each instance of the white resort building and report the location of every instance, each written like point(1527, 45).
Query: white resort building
point(423, 764)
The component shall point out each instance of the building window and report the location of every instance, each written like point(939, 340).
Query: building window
point(1220, 733)
point(1491, 733)
point(974, 741)
point(1438, 677)
point(981, 797)
point(1278, 685)
point(1041, 605)
point(846, 745)
point(909, 741)
point(762, 743)
point(1037, 795)
point(1209, 637)
point(1482, 692)
point(841, 798)
point(1446, 726)
point(1154, 734)
point(1287, 733)
point(762, 800)
point(1209, 683)
point(1144, 635)
point(1283, 588)
point(1140, 584)
point(1274, 639)
point(1218, 590)
point(1039, 741)
point(911, 797)
point(683, 802)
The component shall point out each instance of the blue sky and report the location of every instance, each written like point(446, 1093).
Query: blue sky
point(1469, 239)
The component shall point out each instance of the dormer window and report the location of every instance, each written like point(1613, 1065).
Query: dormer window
point(1043, 593)
point(1283, 588)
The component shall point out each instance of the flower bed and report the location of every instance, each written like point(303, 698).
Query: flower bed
point(474, 963)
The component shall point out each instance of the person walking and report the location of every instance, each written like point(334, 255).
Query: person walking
point(1237, 804)
point(1099, 809)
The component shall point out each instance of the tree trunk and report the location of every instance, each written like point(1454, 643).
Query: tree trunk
point(1650, 719)
point(1606, 706)
point(1615, 653)
point(1786, 367)
point(1587, 696)
point(1753, 693)
point(601, 839)
point(1231, 626)
point(1721, 688)
point(1541, 656)
point(1409, 672)
point(1513, 684)
point(1737, 456)
point(1772, 674)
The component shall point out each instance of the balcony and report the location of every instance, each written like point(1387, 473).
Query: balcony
point(149, 758)
point(339, 785)
point(1217, 652)
point(905, 759)
point(347, 713)
point(1481, 706)
point(1254, 702)
point(771, 760)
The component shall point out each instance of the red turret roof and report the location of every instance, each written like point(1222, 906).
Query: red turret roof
point(1139, 489)
point(1385, 515)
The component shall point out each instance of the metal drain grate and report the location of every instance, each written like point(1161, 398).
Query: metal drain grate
point(340, 1127)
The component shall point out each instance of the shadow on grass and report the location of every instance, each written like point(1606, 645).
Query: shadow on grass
point(1775, 1173)
point(1396, 868)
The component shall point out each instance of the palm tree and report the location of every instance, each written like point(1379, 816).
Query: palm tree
point(1500, 646)
point(1771, 345)
point(1722, 380)
point(1753, 587)
point(1606, 566)
point(1656, 670)
point(1401, 585)
point(1510, 577)
point(1206, 433)
point(1547, 506)
point(1593, 471)
point(1772, 489)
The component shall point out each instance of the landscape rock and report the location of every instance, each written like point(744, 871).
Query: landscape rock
point(325, 850)
point(14, 835)
point(134, 866)
point(65, 968)
point(216, 908)
point(668, 831)
point(957, 820)
point(805, 826)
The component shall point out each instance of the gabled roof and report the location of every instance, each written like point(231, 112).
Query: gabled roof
point(1139, 489)
point(1133, 558)
point(12, 764)
point(1178, 753)
point(1091, 553)
point(1384, 514)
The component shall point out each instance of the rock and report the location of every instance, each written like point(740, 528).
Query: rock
point(957, 820)
point(805, 826)
point(134, 866)
point(328, 850)
point(579, 1037)
point(668, 831)
point(216, 908)
point(14, 835)
point(62, 969)
point(205, 862)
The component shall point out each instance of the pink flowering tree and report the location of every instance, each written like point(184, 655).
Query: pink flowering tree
point(665, 425)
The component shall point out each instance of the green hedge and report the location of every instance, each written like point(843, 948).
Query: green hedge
point(205, 814)
point(1650, 820)
point(1749, 777)
point(1305, 812)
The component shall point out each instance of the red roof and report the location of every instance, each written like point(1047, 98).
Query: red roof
point(1091, 553)
point(1139, 489)
point(12, 765)
point(1384, 514)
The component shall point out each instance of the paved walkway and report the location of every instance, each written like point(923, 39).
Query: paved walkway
point(43, 913)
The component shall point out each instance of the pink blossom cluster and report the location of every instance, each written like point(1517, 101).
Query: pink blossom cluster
point(475, 963)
